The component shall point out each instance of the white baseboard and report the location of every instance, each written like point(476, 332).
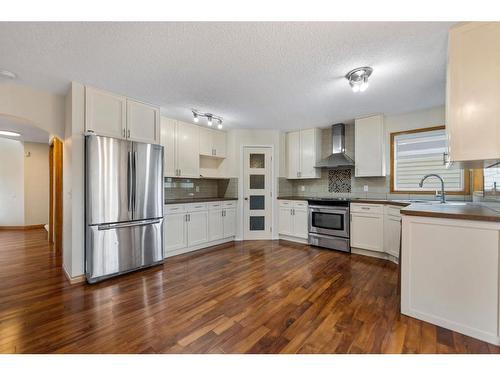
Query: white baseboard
point(454, 326)
point(198, 247)
point(374, 254)
point(293, 239)
point(75, 279)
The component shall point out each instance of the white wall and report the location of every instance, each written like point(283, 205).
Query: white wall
point(236, 139)
point(408, 121)
point(73, 180)
point(44, 110)
point(11, 182)
point(36, 183)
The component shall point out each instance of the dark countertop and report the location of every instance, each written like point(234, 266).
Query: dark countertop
point(401, 203)
point(197, 200)
point(468, 211)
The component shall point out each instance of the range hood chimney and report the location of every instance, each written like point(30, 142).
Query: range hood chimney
point(338, 157)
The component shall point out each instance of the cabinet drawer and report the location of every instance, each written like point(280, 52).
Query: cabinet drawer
point(284, 203)
point(230, 204)
point(173, 208)
point(214, 205)
point(393, 211)
point(367, 208)
point(194, 207)
point(300, 204)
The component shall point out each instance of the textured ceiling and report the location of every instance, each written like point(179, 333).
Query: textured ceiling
point(255, 75)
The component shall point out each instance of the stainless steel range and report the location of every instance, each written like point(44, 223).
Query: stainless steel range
point(329, 224)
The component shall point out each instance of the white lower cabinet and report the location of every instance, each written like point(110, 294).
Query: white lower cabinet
point(197, 232)
point(194, 226)
point(376, 228)
point(392, 231)
point(293, 219)
point(229, 222)
point(175, 231)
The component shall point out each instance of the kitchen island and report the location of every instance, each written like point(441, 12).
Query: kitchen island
point(450, 267)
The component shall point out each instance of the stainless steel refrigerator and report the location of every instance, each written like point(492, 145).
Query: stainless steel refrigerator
point(124, 206)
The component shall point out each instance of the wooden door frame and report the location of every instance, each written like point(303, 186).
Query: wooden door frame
point(56, 193)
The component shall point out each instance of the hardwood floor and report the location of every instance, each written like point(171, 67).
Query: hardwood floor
point(250, 297)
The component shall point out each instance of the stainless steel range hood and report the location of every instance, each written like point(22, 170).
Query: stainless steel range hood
point(338, 158)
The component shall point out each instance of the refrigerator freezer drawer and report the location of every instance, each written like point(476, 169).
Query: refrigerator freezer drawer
point(122, 247)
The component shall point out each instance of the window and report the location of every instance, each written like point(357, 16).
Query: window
point(416, 153)
point(492, 180)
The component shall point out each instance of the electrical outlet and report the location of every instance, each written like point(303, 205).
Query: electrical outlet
point(197, 189)
point(302, 188)
point(365, 188)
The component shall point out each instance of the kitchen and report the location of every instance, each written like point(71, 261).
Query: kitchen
point(342, 228)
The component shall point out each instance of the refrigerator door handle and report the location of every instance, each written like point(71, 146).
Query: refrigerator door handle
point(127, 224)
point(129, 181)
point(134, 183)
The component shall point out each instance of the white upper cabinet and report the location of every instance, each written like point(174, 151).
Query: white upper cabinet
point(212, 143)
point(188, 159)
point(105, 113)
point(168, 137)
point(143, 122)
point(473, 93)
point(303, 150)
point(293, 154)
point(116, 116)
point(369, 146)
point(181, 143)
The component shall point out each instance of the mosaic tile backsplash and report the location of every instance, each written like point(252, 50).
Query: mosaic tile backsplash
point(339, 181)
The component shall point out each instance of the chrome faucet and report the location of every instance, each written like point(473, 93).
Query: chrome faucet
point(442, 196)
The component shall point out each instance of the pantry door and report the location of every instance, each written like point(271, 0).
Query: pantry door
point(257, 189)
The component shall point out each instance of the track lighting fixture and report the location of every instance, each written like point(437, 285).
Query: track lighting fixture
point(209, 116)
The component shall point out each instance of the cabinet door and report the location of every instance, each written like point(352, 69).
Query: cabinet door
point(369, 147)
point(229, 222)
point(105, 113)
point(308, 153)
point(142, 122)
point(168, 138)
point(206, 141)
point(367, 231)
point(175, 232)
point(473, 92)
point(188, 155)
point(219, 143)
point(300, 228)
point(293, 154)
point(392, 235)
point(285, 221)
point(197, 232)
point(215, 225)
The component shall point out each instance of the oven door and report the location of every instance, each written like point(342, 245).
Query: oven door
point(329, 221)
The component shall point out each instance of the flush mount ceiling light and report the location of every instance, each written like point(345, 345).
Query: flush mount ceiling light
point(7, 74)
point(209, 116)
point(358, 78)
point(9, 133)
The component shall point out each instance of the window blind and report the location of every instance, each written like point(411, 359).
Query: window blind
point(492, 179)
point(418, 154)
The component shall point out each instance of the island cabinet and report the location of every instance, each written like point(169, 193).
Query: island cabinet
point(450, 274)
point(473, 94)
